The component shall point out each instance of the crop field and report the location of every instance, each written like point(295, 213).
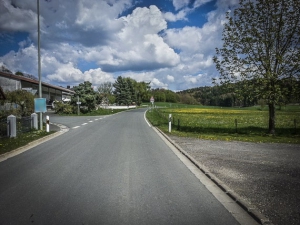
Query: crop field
point(229, 123)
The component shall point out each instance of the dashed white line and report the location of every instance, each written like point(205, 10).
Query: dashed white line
point(90, 121)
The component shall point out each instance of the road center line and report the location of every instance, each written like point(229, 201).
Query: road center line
point(84, 124)
point(76, 127)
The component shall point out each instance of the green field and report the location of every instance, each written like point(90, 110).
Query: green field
point(216, 123)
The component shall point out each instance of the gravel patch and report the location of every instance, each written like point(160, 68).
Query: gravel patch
point(267, 176)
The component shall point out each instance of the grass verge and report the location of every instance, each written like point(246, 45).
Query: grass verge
point(8, 144)
point(228, 124)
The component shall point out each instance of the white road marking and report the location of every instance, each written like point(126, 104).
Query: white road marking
point(76, 127)
point(84, 124)
point(91, 121)
point(146, 119)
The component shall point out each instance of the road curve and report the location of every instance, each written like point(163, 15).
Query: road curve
point(105, 170)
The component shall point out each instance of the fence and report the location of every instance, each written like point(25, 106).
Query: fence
point(23, 125)
point(4, 124)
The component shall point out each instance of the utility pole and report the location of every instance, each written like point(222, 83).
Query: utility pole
point(39, 62)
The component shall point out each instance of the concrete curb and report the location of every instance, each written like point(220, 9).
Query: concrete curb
point(5, 156)
point(251, 210)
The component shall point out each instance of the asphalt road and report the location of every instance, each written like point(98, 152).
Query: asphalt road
point(105, 170)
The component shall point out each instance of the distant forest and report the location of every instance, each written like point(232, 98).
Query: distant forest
point(220, 95)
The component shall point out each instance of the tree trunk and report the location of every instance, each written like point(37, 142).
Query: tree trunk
point(272, 118)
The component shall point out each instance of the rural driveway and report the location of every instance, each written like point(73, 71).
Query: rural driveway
point(105, 170)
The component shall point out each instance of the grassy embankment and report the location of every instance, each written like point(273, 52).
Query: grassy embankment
point(230, 124)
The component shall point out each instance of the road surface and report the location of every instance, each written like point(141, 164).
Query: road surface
point(105, 170)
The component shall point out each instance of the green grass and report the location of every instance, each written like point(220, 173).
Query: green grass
point(8, 144)
point(216, 123)
point(99, 112)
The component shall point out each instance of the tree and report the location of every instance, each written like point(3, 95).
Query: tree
point(87, 96)
point(143, 91)
point(132, 91)
point(105, 91)
point(122, 91)
point(261, 51)
point(19, 73)
point(24, 100)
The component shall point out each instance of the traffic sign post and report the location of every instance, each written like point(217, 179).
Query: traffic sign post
point(170, 123)
point(78, 104)
point(152, 100)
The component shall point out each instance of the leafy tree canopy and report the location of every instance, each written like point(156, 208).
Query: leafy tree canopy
point(261, 48)
point(87, 95)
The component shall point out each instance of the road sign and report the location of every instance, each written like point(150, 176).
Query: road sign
point(151, 99)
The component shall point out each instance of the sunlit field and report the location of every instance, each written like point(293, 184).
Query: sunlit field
point(229, 123)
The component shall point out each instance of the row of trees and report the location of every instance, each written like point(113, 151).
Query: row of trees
point(124, 91)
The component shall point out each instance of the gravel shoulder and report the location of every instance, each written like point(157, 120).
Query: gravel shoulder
point(267, 176)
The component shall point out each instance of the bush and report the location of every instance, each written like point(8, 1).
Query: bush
point(21, 103)
point(62, 108)
point(68, 109)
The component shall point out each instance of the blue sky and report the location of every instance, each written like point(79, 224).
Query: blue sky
point(168, 42)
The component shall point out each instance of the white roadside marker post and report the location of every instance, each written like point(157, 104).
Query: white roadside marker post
point(47, 124)
point(170, 122)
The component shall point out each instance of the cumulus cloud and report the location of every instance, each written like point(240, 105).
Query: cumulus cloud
point(68, 74)
point(13, 18)
point(138, 45)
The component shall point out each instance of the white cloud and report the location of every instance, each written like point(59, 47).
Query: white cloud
point(179, 4)
point(199, 3)
point(13, 18)
point(170, 78)
point(138, 45)
point(181, 15)
point(68, 74)
point(156, 83)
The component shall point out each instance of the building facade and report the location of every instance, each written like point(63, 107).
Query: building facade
point(11, 82)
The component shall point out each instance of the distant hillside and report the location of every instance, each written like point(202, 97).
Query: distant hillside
point(221, 96)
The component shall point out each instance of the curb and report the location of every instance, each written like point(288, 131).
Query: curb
point(7, 155)
point(254, 213)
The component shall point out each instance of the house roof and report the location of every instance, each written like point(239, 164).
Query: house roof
point(2, 95)
point(21, 78)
